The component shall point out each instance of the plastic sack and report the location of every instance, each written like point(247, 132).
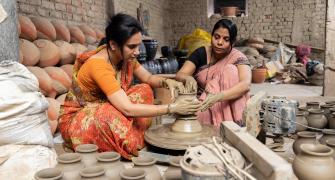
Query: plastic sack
point(283, 54)
point(194, 40)
point(23, 118)
point(25, 160)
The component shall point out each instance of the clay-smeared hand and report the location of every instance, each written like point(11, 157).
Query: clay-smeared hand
point(185, 106)
point(191, 85)
point(173, 85)
point(210, 100)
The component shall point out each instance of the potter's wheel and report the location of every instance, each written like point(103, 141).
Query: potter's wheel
point(184, 132)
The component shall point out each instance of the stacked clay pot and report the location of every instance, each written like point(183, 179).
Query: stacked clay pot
point(88, 153)
point(48, 49)
point(110, 161)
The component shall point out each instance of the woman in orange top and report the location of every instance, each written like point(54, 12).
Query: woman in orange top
point(103, 107)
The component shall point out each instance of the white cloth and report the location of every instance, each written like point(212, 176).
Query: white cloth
point(23, 118)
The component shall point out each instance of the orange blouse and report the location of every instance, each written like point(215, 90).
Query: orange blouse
point(98, 76)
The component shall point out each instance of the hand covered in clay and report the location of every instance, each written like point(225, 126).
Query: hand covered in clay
point(173, 85)
point(191, 85)
point(210, 100)
point(185, 106)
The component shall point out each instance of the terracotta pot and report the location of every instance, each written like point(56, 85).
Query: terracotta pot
point(259, 75)
point(48, 174)
point(133, 174)
point(304, 137)
point(90, 35)
point(331, 143)
point(28, 29)
point(44, 80)
point(316, 118)
point(77, 36)
point(148, 165)
point(67, 52)
point(174, 170)
point(79, 48)
point(93, 173)
point(301, 119)
point(49, 53)
point(312, 105)
point(45, 30)
point(88, 153)
point(314, 162)
point(59, 74)
point(70, 164)
point(30, 53)
point(229, 11)
point(331, 121)
point(62, 32)
point(327, 134)
point(110, 161)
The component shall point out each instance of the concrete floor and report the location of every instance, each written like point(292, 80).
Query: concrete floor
point(301, 93)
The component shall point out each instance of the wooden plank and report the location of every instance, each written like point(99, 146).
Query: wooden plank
point(269, 164)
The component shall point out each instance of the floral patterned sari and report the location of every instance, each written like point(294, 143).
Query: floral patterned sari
point(90, 118)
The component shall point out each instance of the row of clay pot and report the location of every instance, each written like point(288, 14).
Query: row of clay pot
point(316, 118)
point(32, 28)
point(106, 164)
point(43, 52)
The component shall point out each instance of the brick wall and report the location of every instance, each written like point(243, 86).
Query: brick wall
point(160, 18)
point(290, 21)
point(91, 12)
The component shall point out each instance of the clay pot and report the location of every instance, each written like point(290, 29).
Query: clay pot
point(326, 110)
point(67, 52)
point(77, 36)
point(28, 29)
point(70, 164)
point(93, 173)
point(99, 34)
point(331, 143)
point(133, 174)
point(229, 11)
point(316, 118)
point(312, 105)
point(45, 30)
point(174, 170)
point(327, 134)
point(151, 46)
point(301, 119)
point(259, 75)
point(62, 32)
point(314, 162)
point(88, 153)
point(44, 80)
point(182, 96)
point(49, 174)
point(186, 124)
point(304, 137)
point(68, 68)
point(110, 161)
point(79, 48)
point(331, 121)
point(90, 35)
point(148, 165)
point(49, 53)
point(30, 53)
point(59, 74)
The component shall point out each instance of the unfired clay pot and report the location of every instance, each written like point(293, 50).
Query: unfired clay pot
point(331, 143)
point(70, 164)
point(48, 174)
point(312, 105)
point(184, 124)
point(110, 161)
point(330, 102)
point(133, 174)
point(93, 173)
point(301, 119)
point(326, 110)
point(316, 118)
point(304, 137)
point(88, 153)
point(314, 162)
point(174, 170)
point(327, 134)
point(148, 165)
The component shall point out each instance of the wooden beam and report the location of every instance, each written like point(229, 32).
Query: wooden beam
point(269, 164)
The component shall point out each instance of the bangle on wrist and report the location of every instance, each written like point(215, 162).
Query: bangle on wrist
point(163, 83)
point(168, 109)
